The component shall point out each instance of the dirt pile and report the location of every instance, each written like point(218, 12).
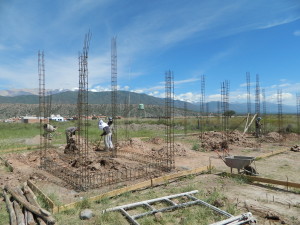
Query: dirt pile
point(216, 140)
point(272, 137)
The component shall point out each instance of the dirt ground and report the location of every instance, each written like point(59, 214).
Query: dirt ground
point(258, 198)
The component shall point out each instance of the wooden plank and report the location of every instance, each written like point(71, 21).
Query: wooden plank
point(18, 149)
point(134, 187)
point(34, 188)
point(271, 154)
point(267, 180)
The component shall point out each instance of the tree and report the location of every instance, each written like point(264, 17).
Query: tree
point(229, 113)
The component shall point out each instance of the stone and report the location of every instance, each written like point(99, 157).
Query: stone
point(86, 214)
point(158, 216)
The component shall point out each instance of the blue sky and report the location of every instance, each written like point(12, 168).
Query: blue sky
point(220, 39)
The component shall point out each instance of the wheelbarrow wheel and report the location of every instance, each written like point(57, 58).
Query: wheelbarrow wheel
point(249, 170)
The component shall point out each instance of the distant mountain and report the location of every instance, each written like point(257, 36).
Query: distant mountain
point(34, 91)
point(70, 97)
point(99, 98)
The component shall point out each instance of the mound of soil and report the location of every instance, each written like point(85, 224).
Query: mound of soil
point(216, 140)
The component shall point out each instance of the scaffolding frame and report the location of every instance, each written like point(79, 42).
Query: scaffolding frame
point(169, 118)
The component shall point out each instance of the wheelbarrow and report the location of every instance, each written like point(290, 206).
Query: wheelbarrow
point(241, 163)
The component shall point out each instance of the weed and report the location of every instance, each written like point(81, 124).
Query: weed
point(196, 147)
point(43, 202)
point(83, 204)
point(9, 169)
point(110, 218)
point(55, 199)
point(126, 194)
point(102, 201)
point(69, 212)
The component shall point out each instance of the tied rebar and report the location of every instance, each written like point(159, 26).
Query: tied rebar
point(225, 109)
point(114, 92)
point(82, 112)
point(202, 107)
point(264, 102)
point(42, 105)
point(279, 114)
point(248, 93)
point(185, 118)
point(257, 97)
point(298, 114)
point(169, 118)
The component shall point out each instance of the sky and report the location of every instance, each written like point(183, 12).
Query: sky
point(218, 39)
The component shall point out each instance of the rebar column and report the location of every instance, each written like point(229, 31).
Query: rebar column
point(202, 106)
point(257, 96)
point(279, 115)
point(42, 104)
point(114, 92)
point(225, 108)
point(298, 114)
point(169, 118)
point(185, 118)
point(248, 93)
point(263, 91)
point(82, 107)
point(126, 112)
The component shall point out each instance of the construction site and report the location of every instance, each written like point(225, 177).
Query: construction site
point(253, 162)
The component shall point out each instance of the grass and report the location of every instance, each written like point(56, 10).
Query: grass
point(195, 214)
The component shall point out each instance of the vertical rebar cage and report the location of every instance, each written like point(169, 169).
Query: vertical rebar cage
point(114, 91)
point(298, 113)
point(225, 108)
point(248, 93)
point(82, 112)
point(202, 106)
point(279, 114)
point(257, 96)
point(185, 118)
point(42, 105)
point(169, 118)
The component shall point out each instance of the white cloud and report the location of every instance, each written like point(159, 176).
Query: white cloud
point(297, 33)
point(279, 22)
point(189, 97)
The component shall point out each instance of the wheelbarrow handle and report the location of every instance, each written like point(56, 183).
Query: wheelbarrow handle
point(216, 151)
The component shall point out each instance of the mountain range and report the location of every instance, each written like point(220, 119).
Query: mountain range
point(30, 96)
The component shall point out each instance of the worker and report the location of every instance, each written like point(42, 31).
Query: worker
point(110, 121)
point(69, 134)
point(107, 135)
point(258, 127)
point(49, 130)
point(111, 127)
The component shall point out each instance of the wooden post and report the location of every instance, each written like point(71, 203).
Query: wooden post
point(19, 214)
point(45, 215)
point(10, 208)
